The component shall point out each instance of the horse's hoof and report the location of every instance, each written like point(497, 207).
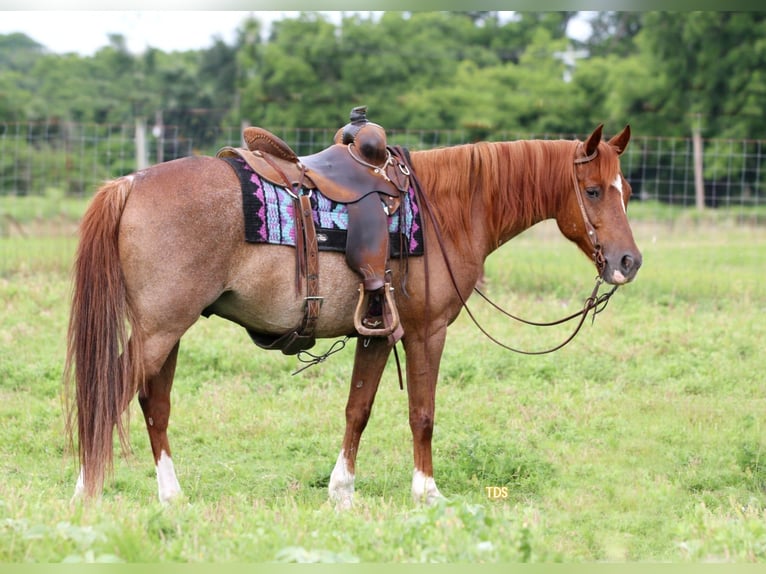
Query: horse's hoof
point(343, 503)
point(174, 499)
point(424, 489)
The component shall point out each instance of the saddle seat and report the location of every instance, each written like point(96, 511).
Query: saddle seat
point(341, 173)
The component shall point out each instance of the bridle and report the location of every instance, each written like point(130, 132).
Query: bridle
point(597, 254)
point(595, 302)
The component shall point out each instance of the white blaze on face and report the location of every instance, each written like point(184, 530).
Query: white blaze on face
point(166, 479)
point(617, 184)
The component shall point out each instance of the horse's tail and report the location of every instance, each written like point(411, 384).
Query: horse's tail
point(100, 360)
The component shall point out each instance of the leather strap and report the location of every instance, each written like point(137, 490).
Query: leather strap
point(306, 254)
point(598, 256)
point(313, 303)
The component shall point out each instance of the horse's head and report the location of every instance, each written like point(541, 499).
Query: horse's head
point(594, 215)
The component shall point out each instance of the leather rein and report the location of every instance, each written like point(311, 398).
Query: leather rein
point(595, 302)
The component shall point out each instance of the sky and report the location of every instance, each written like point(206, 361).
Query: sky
point(85, 32)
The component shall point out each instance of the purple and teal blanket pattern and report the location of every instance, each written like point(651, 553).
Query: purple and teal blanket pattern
point(270, 217)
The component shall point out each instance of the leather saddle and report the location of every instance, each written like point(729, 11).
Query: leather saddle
point(357, 170)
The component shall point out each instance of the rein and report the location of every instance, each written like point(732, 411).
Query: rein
point(595, 302)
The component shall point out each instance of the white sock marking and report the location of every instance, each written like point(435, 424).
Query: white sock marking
point(167, 482)
point(424, 488)
point(79, 488)
point(341, 483)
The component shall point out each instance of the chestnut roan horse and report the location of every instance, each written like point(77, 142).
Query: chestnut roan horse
point(161, 245)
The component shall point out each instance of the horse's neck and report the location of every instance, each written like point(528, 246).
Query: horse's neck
point(490, 192)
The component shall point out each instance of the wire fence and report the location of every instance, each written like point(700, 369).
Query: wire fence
point(64, 159)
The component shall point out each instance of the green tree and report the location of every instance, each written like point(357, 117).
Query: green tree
point(18, 55)
point(18, 52)
point(404, 53)
point(613, 33)
point(296, 83)
point(530, 96)
point(712, 65)
point(601, 94)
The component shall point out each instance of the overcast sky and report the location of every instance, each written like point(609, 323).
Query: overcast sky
point(85, 32)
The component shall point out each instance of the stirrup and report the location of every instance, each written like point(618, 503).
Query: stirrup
point(363, 304)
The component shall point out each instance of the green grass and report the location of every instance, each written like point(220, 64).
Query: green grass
point(643, 440)
point(40, 215)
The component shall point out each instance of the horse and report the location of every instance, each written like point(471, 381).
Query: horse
point(161, 246)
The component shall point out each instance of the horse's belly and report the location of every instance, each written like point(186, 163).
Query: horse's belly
point(263, 295)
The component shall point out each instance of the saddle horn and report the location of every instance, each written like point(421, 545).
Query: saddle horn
point(368, 137)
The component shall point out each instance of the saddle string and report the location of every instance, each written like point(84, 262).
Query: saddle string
point(596, 303)
point(310, 359)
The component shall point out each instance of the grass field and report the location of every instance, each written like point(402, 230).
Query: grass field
point(643, 440)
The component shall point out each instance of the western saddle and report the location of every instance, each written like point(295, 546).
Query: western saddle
point(357, 170)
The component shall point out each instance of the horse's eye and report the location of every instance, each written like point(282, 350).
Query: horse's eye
point(593, 192)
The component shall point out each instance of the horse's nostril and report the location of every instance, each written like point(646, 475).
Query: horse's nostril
point(627, 263)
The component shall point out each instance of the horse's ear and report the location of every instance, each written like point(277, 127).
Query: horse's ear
point(620, 141)
point(593, 140)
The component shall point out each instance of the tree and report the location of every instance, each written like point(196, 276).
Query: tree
point(18, 52)
point(712, 65)
point(613, 33)
point(18, 55)
point(297, 78)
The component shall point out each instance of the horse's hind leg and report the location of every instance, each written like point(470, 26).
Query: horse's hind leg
point(157, 364)
point(369, 362)
point(154, 398)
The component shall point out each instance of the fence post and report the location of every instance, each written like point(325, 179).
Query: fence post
point(699, 181)
point(242, 125)
point(158, 131)
point(142, 153)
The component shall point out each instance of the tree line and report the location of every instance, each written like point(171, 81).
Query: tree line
point(665, 73)
point(661, 72)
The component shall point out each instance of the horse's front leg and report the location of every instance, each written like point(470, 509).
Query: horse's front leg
point(369, 362)
point(423, 356)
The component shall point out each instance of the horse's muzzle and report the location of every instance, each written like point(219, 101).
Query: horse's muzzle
point(622, 268)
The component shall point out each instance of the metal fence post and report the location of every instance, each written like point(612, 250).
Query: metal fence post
point(699, 182)
point(142, 153)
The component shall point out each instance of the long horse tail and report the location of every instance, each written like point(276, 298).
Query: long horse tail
point(101, 357)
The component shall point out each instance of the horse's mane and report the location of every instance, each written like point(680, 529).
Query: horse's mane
point(520, 182)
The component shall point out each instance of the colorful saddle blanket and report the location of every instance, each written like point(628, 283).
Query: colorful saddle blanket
point(270, 216)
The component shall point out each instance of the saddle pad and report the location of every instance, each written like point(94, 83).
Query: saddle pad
point(270, 218)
